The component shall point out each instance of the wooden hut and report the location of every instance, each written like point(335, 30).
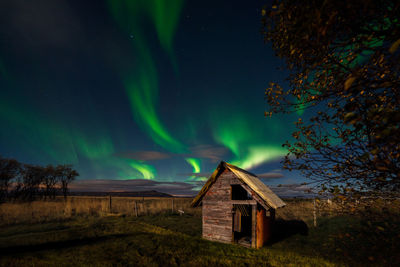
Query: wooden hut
point(237, 207)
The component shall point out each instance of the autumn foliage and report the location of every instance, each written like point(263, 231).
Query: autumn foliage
point(343, 59)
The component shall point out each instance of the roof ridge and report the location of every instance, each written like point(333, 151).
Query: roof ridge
point(240, 169)
point(250, 179)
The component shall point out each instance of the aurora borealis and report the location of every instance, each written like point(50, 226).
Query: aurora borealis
point(138, 89)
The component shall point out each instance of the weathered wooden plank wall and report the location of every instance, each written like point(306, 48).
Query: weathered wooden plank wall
point(217, 209)
point(253, 226)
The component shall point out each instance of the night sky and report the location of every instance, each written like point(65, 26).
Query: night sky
point(156, 90)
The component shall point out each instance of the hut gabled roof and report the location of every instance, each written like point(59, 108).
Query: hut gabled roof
point(251, 180)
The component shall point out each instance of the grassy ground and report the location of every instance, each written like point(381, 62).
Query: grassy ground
point(164, 240)
point(172, 240)
point(83, 232)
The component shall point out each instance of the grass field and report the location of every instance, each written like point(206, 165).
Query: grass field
point(44, 211)
point(167, 239)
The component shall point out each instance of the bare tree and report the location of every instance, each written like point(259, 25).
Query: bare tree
point(66, 175)
point(28, 182)
point(50, 181)
point(9, 170)
point(33, 177)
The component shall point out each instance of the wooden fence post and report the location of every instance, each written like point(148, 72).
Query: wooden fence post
point(172, 205)
point(136, 211)
point(110, 206)
point(315, 214)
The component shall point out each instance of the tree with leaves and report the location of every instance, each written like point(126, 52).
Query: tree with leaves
point(343, 61)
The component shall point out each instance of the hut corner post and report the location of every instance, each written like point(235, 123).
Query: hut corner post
point(253, 226)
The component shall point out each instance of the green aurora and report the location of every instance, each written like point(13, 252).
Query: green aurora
point(195, 163)
point(148, 172)
point(142, 87)
point(142, 84)
point(51, 121)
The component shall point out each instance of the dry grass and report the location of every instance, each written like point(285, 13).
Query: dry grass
point(303, 209)
point(296, 209)
point(81, 231)
point(44, 211)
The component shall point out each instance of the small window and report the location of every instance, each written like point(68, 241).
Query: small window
point(239, 193)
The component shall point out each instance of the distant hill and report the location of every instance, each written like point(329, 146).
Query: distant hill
point(151, 193)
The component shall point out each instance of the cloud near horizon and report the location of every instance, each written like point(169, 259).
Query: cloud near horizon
point(293, 190)
point(144, 155)
point(172, 188)
point(196, 174)
point(270, 175)
point(267, 175)
point(213, 153)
